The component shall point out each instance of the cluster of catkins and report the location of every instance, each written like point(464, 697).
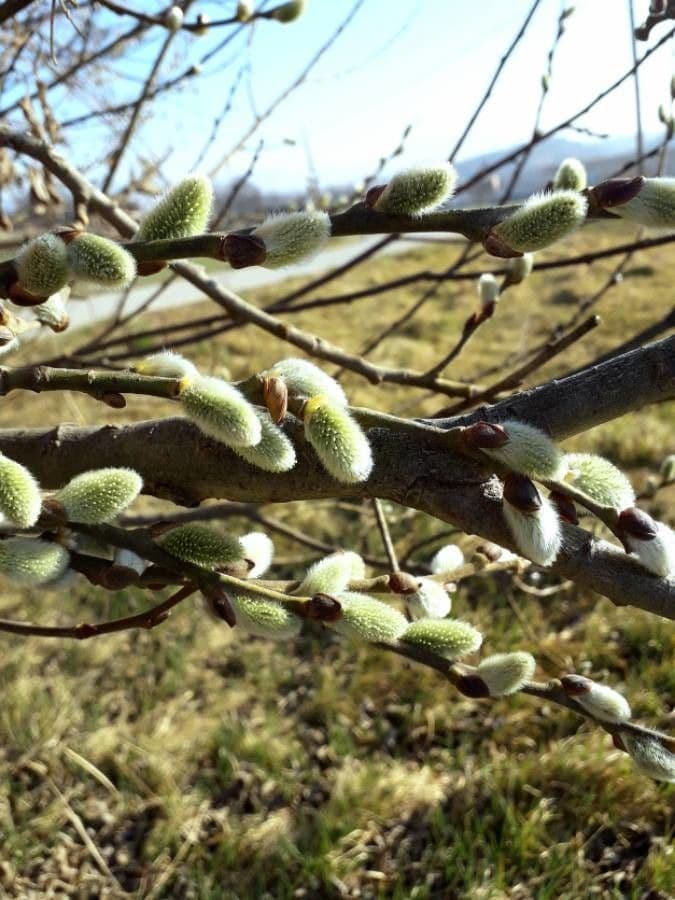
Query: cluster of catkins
point(221, 411)
point(91, 498)
point(534, 520)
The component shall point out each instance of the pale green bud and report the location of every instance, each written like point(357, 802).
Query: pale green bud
point(182, 212)
point(600, 701)
point(600, 479)
point(202, 546)
point(366, 619)
point(331, 575)
point(430, 600)
point(450, 638)
point(259, 549)
point(338, 440)
point(220, 410)
point(528, 451)
point(654, 205)
point(244, 10)
point(668, 469)
point(53, 312)
point(304, 379)
point(31, 561)
point(571, 176)
point(447, 559)
point(542, 220)
point(519, 268)
point(488, 289)
point(97, 260)
point(506, 673)
point(537, 534)
point(650, 756)
point(100, 495)
point(417, 191)
point(274, 452)
point(173, 18)
point(167, 364)
point(265, 618)
point(20, 500)
point(288, 12)
point(292, 237)
point(42, 265)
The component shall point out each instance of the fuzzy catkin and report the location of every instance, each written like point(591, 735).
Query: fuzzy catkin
point(97, 260)
point(42, 265)
point(367, 619)
point(291, 237)
point(20, 500)
point(542, 220)
point(221, 411)
point(182, 212)
point(100, 495)
point(338, 440)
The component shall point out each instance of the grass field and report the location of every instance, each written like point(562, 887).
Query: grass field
point(193, 762)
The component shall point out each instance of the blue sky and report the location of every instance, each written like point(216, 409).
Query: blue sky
point(400, 62)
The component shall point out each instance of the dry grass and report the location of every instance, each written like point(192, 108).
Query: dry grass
point(203, 764)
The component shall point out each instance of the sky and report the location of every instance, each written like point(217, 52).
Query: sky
point(424, 63)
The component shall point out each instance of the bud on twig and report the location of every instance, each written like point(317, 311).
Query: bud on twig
point(526, 450)
point(532, 520)
point(100, 495)
point(367, 619)
point(166, 364)
point(182, 212)
point(304, 379)
point(20, 499)
point(274, 452)
point(97, 260)
point(571, 176)
point(506, 673)
point(338, 440)
point(542, 220)
point(202, 546)
point(260, 550)
point(292, 237)
point(243, 250)
point(450, 638)
point(447, 559)
point(31, 561)
point(565, 507)
point(332, 574)
point(221, 411)
point(652, 542)
point(42, 265)
point(416, 191)
point(275, 395)
point(265, 618)
point(599, 700)
point(599, 479)
point(429, 601)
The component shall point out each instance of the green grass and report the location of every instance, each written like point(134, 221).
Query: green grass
point(220, 766)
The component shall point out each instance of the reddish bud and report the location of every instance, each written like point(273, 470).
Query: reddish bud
point(150, 266)
point(323, 608)
point(520, 492)
point(616, 191)
point(637, 523)
point(575, 685)
point(21, 297)
point(219, 604)
point(472, 686)
point(484, 435)
point(243, 250)
point(114, 400)
point(617, 740)
point(275, 395)
point(403, 583)
point(565, 507)
point(67, 233)
point(492, 552)
point(374, 194)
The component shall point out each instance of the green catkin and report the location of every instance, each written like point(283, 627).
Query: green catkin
point(288, 12)
point(202, 546)
point(571, 176)
point(265, 618)
point(450, 638)
point(274, 452)
point(650, 756)
point(100, 495)
point(599, 479)
point(542, 220)
point(182, 212)
point(417, 191)
point(20, 500)
point(97, 260)
point(338, 440)
point(330, 575)
point(167, 364)
point(528, 451)
point(367, 619)
point(292, 237)
point(654, 206)
point(42, 265)
point(31, 561)
point(221, 411)
point(506, 673)
point(304, 379)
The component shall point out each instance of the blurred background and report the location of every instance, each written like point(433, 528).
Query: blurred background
point(191, 761)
